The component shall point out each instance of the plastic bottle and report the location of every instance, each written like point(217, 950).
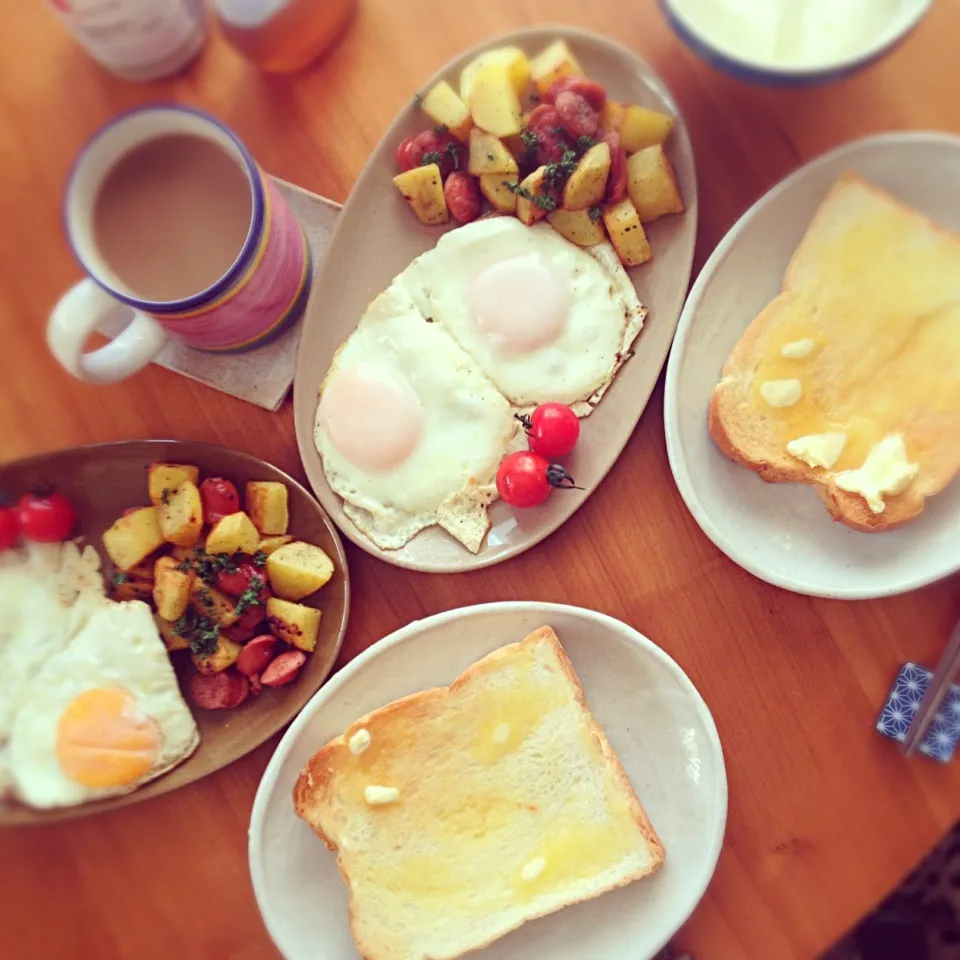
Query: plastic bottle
point(137, 39)
point(282, 36)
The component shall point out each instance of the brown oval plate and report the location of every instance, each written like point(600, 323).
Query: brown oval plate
point(377, 236)
point(101, 480)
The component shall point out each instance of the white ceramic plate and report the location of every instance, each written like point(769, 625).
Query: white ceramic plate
point(782, 533)
point(655, 719)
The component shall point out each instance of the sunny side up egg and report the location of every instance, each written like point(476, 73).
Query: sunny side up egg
point(105, 714)
point(544, 319)
point(409, 430)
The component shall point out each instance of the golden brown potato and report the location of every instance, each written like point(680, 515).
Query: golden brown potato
point(171, 588)
point(266, 503)
point(611, 116)
point(587, 184)
point(642, 127)
point(234, 533)
point(294, 623)
point(494, 102)
point(494, 187)
point(169, 476)
point(134, 536)
point(626, 233)
point(130, 588)
point(268, 544)
point(444, 107)
point(582, 227)
point(516, 144)
point(171, 639)
point(515, 60)
point(225, 655)
point(298, 569)
point(488, 154)
point(551, 64)
point(534, 202)
point(652, 184)
point(422, 188)
point(181, 515)
point(212, 603)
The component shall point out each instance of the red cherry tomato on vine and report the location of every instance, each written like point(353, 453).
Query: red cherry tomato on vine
point(219, 498)
point(9, 528)
point(552, 429)
point(45, 518)
point(408, 154)
point(524, 478)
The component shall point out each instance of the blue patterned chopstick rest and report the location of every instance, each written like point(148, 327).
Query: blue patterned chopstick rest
point(943, 734)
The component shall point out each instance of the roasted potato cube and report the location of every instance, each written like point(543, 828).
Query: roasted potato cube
point(515, 60)
point(181, 515)
point(494, 186)
point(534, 200)
point(652, 184)
point(143, 570)
point(171, 588)
point(212, 603)
point(131, 588)
point(171, 639)
point(225, 655)
point(422, 188)
point(515, 144)
point(494, 103)
point(168, 476)
point(444, 107)
point(266, 503)
point(489, 155)
point(582, 227)
point(642, 127)
point(188, 554)
point(587, 184)
point(294, 623)
point(626, 233)
point(298, 569)
point(268, 544)
point(551, 64)
point(611, 116)
point(235, 533)
point(134, 536)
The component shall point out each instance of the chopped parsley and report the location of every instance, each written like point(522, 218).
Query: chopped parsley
point(431, 156)
point(119, 577)
point(491, 157)
point(454, 155)
point(556, 174)
point(531, 143)
point(202, 632)
point(595, 213)
point(541, 200)
point(259, 559)
point(250, 597)
point(208, 565)
point(585, 143)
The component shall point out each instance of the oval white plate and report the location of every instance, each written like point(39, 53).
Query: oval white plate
point(655, 719)
point(782, 533)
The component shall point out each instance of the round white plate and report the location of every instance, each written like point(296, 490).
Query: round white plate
point(655, 719)
point(782, 533)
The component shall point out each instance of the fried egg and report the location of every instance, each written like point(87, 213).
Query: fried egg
point(544, 319)
point(104, 715)
point(409, 430)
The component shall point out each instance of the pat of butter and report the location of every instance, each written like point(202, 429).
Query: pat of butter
point(501, 733)
point(359, 742)
point(885, 472)
point(797, 349)
point(818, 449)
point(378, 796)
point(781, 393)
point(533, 869)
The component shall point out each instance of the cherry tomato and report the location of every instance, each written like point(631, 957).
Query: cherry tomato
point(219, 498)
point(617, 177)
point(552, 429)
point(462, 193)
point(452, 154)
point(45, 518)
point(594, 93)
point(238, 582)
point(577, 116)
point(525, 478)
point(247, 625)
point(9, 528)
point(408, 154)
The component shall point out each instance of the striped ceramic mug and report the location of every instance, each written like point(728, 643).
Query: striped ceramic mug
point(261, 292)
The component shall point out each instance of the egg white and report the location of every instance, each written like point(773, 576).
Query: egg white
point(604, 319)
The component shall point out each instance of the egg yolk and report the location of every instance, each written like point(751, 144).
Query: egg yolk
point(372, 416)
point(521, 303)
point(103, 740)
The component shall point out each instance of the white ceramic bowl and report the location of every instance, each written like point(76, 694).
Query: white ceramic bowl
point(656, 721)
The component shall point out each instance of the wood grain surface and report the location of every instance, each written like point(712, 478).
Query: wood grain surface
point(825, 816)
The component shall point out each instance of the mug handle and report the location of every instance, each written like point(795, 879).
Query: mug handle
point(78, 314)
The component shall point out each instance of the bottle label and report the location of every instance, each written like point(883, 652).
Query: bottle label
point(131, 33)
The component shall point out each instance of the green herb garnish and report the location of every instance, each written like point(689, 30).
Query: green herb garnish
point(441, 129)
point(259, 559)
point(431, 156)
point(208, 565)
point(556, 174)
point(531, 143)
point(250, 597)
point(595, 213)
point(202, 632)
point(454, 155)
point(585, 143)
point(119, 577)
point(542, 201)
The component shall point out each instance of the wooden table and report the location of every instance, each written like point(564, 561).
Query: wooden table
point(825, 816)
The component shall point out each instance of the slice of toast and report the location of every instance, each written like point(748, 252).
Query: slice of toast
point(504, 801)
point(867, 329)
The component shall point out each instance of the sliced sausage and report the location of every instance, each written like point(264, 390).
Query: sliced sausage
point(219, 691)
point(594, 93)
point(577, 116)
point(462, 193)
point(283, 669)
point(255, 656)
